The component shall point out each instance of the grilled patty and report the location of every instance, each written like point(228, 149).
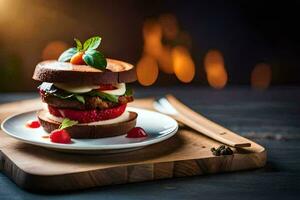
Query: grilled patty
point(90, 102)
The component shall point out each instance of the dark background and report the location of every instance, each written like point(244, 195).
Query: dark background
point(245, 32)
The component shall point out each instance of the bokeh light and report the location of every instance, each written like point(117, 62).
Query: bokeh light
point(53, 50)
point(165, 48)
point(152, 33)
point(215, 69)
point(184, 66)
point(165, 60)
point(169, 26)
point(147, 70)
point(261, 76)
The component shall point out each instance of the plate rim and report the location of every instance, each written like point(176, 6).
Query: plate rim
point(89, 148)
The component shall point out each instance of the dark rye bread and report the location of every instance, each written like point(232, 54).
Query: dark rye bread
point(65, 72)
point(90, 131)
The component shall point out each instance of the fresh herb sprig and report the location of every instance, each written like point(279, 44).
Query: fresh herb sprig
point(129, 91)
point(90, 55)
point(67, 123)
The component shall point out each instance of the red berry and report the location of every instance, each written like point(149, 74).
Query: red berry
point(136, 132)
point(33, 124)
point(60, 136)
point(87, 116)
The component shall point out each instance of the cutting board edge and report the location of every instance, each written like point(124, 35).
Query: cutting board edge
point(30, 181)
point(3, 154)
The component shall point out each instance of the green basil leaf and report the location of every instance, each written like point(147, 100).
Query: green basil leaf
point(129, 91)
point(95, 58)
point(78, 44)
point(67, 55)
point(88, 59)
point(110, 97)
point(67, 123)
point(80, 98)
point(92, 43)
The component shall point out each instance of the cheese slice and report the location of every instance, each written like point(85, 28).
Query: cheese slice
point(121, 89)
point(76, 88)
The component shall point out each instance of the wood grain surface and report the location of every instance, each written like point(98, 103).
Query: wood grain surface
point(186, 154)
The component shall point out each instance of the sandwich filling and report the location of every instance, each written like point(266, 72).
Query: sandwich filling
point(86, 104)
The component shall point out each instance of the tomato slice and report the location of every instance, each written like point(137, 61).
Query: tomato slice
point(87, 116)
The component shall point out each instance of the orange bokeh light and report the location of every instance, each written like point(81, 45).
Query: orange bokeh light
point(152, 29)
point(217, 78)
point(165, 60)
point(147, 70)
point(261, 76)
point(169, 26)
point(215, 69)
point(184, 66)
point(53, 50)
point(152, 33)
point(161, 55)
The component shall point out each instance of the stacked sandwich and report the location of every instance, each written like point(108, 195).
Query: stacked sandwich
point(85, 93)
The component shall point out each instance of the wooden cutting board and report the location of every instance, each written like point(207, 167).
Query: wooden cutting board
point(186, 154)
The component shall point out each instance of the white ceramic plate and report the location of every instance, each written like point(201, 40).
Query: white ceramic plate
point(158, 126)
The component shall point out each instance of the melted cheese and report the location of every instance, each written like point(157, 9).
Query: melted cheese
point(76, 88)
point(121, 89)
point(73, 88)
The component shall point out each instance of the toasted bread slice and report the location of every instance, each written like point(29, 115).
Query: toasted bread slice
point(90, 131)
point(65, 72)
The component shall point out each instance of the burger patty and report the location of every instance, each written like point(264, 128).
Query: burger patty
point(90, 102)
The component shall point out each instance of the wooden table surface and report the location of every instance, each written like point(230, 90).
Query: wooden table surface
point(271, 118)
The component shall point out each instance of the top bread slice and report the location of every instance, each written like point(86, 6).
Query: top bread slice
point(64, 72)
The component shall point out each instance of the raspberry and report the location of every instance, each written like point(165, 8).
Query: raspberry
point(136, 132)
point(33, 124)
point(60, 136)
point(87, 116)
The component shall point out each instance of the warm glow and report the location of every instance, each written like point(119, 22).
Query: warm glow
point(160, 35)
point(152, 38)
point(152, 29)
point(261, 76)
point(153, 47)
point(6, 14)
point(165, 60)
point(184, 66)
point(147, 70)
point(169, 26)
point(215, 69)
point(217, 78)
point(53, 50)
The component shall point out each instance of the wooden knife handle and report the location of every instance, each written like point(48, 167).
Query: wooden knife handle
point(200, 123)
